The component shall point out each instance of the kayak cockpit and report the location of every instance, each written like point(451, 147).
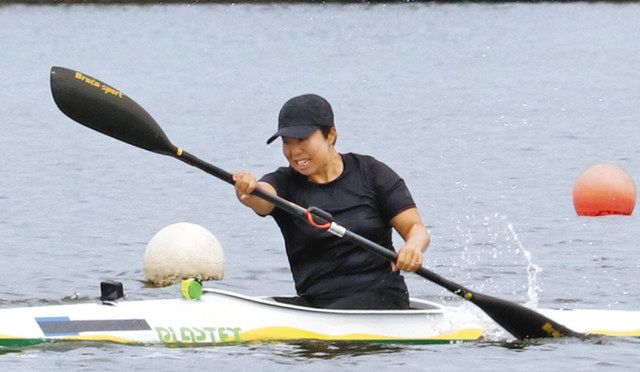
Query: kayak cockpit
point(417, 305)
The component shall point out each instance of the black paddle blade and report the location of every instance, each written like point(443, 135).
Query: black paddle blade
point(522, 322)
point(107, 110)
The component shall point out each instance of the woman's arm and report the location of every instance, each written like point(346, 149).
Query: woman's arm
point(245, 183)
point(416, 236)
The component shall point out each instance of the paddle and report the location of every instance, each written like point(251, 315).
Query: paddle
point(107, 110)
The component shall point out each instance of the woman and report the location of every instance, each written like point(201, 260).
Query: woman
point(361, 193)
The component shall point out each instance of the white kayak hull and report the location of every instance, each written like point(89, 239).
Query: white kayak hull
point(223, 317)
point(619, 323)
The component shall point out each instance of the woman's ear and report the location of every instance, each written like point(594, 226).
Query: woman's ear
point(333, 136)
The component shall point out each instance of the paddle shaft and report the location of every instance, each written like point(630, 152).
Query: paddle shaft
point(227, 177)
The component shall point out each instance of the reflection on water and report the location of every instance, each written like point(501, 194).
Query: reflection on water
point(330, 350)
point(301, 350)
point(24, 302)
point(551, 343)
point(4, 351)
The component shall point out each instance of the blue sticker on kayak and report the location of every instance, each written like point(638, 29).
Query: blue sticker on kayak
point(63, 326)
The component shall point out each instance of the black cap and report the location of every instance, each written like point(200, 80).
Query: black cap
point(302, 115)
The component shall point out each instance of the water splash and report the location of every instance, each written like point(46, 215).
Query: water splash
point(468, 315)
point(532, 270)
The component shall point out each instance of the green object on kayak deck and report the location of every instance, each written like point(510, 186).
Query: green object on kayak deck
point(192, 289)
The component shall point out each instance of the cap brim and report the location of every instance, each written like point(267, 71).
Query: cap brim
point(299, 132)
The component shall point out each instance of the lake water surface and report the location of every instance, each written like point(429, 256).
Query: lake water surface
point(489, 112)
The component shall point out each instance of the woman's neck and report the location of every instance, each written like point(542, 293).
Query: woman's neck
point(331, 170)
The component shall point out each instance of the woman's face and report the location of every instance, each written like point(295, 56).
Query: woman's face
point(310, 155)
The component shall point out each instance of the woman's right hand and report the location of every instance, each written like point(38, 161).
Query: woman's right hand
point(245, 183)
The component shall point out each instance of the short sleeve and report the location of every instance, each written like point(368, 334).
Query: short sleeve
point(279, 179)
point(391, 191)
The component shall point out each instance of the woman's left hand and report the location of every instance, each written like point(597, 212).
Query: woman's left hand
point(416, 236)
point(409, 259)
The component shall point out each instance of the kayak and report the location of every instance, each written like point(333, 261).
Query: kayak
point(221, 317)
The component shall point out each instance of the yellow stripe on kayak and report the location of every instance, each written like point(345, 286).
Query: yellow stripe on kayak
point(288, 333)
point(634, 333)
point(119, 340)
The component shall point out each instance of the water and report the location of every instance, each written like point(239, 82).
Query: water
point(489, 112)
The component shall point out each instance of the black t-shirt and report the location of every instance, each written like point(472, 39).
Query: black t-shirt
point(364, 198)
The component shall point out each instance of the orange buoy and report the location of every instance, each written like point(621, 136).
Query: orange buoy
point(604, 189)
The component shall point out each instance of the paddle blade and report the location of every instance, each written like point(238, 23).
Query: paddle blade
point(107, 110)
point(522, 322)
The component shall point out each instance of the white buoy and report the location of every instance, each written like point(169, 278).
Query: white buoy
point(183, 250)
